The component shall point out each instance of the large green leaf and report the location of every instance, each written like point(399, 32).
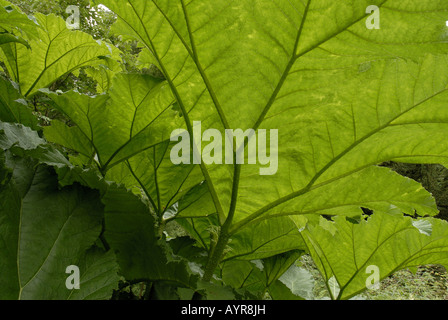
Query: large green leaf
point(16, 26)
point(343, 98)
point(308, 66)
point(376, 188)
point(135, 115)
point(40, 66)
point(163, 184)
point(345, 251)
point(44, 230)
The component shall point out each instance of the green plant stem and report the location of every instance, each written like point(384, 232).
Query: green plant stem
point(161, 227)
point(216, 255)
point(224, 235)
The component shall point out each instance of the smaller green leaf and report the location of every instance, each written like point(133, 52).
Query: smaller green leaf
point(46, 62)
point(24, 142)
point(19, 136)
point(69, 137)
point(104, 73)
point(241, 274)
point(167, 186)
point(131, 233)
point(99, 276)
point(276, 274)
point(214, 291)
point(13, 108)
point(386, 242)
point(8, 38)
point(45, 230)
point(275, 267)
point(279, 291)
point(15, 21)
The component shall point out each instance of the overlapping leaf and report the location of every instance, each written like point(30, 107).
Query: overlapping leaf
point(261, 240)
point(26, 143)
point(344, 252)
point(278, 275)
point(46, 62)
point(342, 96)
point(13, 107)
point(135, 115)
point(98, 276)
point(45, 230)
point(16, 26)
point(162, 183)
point(131, 232)
point(104, 73)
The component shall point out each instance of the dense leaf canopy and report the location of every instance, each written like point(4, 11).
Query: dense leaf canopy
point(335, 98)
